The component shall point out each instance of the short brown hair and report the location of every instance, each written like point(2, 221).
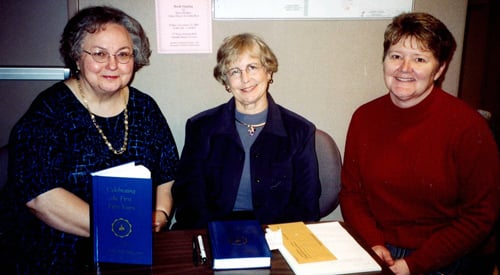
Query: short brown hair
point(90, 20)
point(430, 33)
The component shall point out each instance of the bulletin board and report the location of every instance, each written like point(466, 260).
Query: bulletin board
point(309, 9)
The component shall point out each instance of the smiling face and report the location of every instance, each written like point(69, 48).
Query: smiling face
point(109, 76)
point(410, 72)
point(250, 87)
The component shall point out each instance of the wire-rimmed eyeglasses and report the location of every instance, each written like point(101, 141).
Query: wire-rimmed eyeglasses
point(250, 69)
point(102, 56)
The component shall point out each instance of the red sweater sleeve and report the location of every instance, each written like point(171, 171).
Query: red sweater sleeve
point(477, 168)
point(354, 205)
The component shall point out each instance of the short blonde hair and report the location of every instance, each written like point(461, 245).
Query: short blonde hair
point(233, 46)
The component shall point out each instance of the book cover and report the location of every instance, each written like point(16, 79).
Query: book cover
point(238, 245)
point(121, 209)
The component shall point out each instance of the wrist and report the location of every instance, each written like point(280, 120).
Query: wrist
point(167, 217)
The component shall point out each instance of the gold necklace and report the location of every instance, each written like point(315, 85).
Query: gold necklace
point(104, 137)
point(251, 127)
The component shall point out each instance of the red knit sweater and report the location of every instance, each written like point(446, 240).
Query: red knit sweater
point(424, 178)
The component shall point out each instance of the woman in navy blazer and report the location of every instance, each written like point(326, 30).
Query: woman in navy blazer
point(249, 157)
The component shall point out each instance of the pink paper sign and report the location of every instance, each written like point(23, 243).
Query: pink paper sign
point(184, 26)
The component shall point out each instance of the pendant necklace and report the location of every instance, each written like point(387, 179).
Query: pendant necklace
point(251, 127)
point(104, 137)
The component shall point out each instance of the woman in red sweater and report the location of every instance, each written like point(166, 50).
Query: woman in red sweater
point(421, 179)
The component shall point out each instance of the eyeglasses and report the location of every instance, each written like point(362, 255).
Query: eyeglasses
point(102, 56)
point(250, 69)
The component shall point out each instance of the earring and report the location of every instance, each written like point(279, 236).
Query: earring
point(228, 89)
point(271, 81)
point(77, 74)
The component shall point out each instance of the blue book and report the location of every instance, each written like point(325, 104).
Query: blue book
point(121, 215)
point(239, 244)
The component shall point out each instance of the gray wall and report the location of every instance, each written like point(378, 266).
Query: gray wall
point(29, 36)
point(327, 68)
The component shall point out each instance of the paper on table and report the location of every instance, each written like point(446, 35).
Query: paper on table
point(351, 257)
point(274, 238)
point(302, 243)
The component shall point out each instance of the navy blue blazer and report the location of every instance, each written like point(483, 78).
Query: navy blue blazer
point(284, 168)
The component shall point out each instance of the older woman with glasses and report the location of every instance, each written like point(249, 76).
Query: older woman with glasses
point(90, 122)
point(248, 158)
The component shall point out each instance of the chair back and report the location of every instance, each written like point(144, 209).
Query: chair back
point(4, 157)
point(329, 164)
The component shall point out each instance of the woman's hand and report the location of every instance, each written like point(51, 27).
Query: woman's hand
point(160, 219)
point(384, 254)
point(400, 267)
point(164, 205)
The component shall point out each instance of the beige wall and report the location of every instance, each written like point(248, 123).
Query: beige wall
point(327, 68)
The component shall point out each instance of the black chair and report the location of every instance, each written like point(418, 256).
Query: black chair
point(329, 164)
point(8, 252)
point(4, 156)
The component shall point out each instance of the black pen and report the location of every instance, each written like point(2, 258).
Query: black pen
point(195, 251)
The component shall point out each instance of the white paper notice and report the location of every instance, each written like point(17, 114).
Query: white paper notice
point(184, 26)
point(309, 9)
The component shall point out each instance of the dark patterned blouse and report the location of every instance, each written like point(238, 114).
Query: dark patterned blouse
point(55, 144)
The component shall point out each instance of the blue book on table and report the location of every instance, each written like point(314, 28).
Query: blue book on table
point(239, 244)
point(121, 215)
